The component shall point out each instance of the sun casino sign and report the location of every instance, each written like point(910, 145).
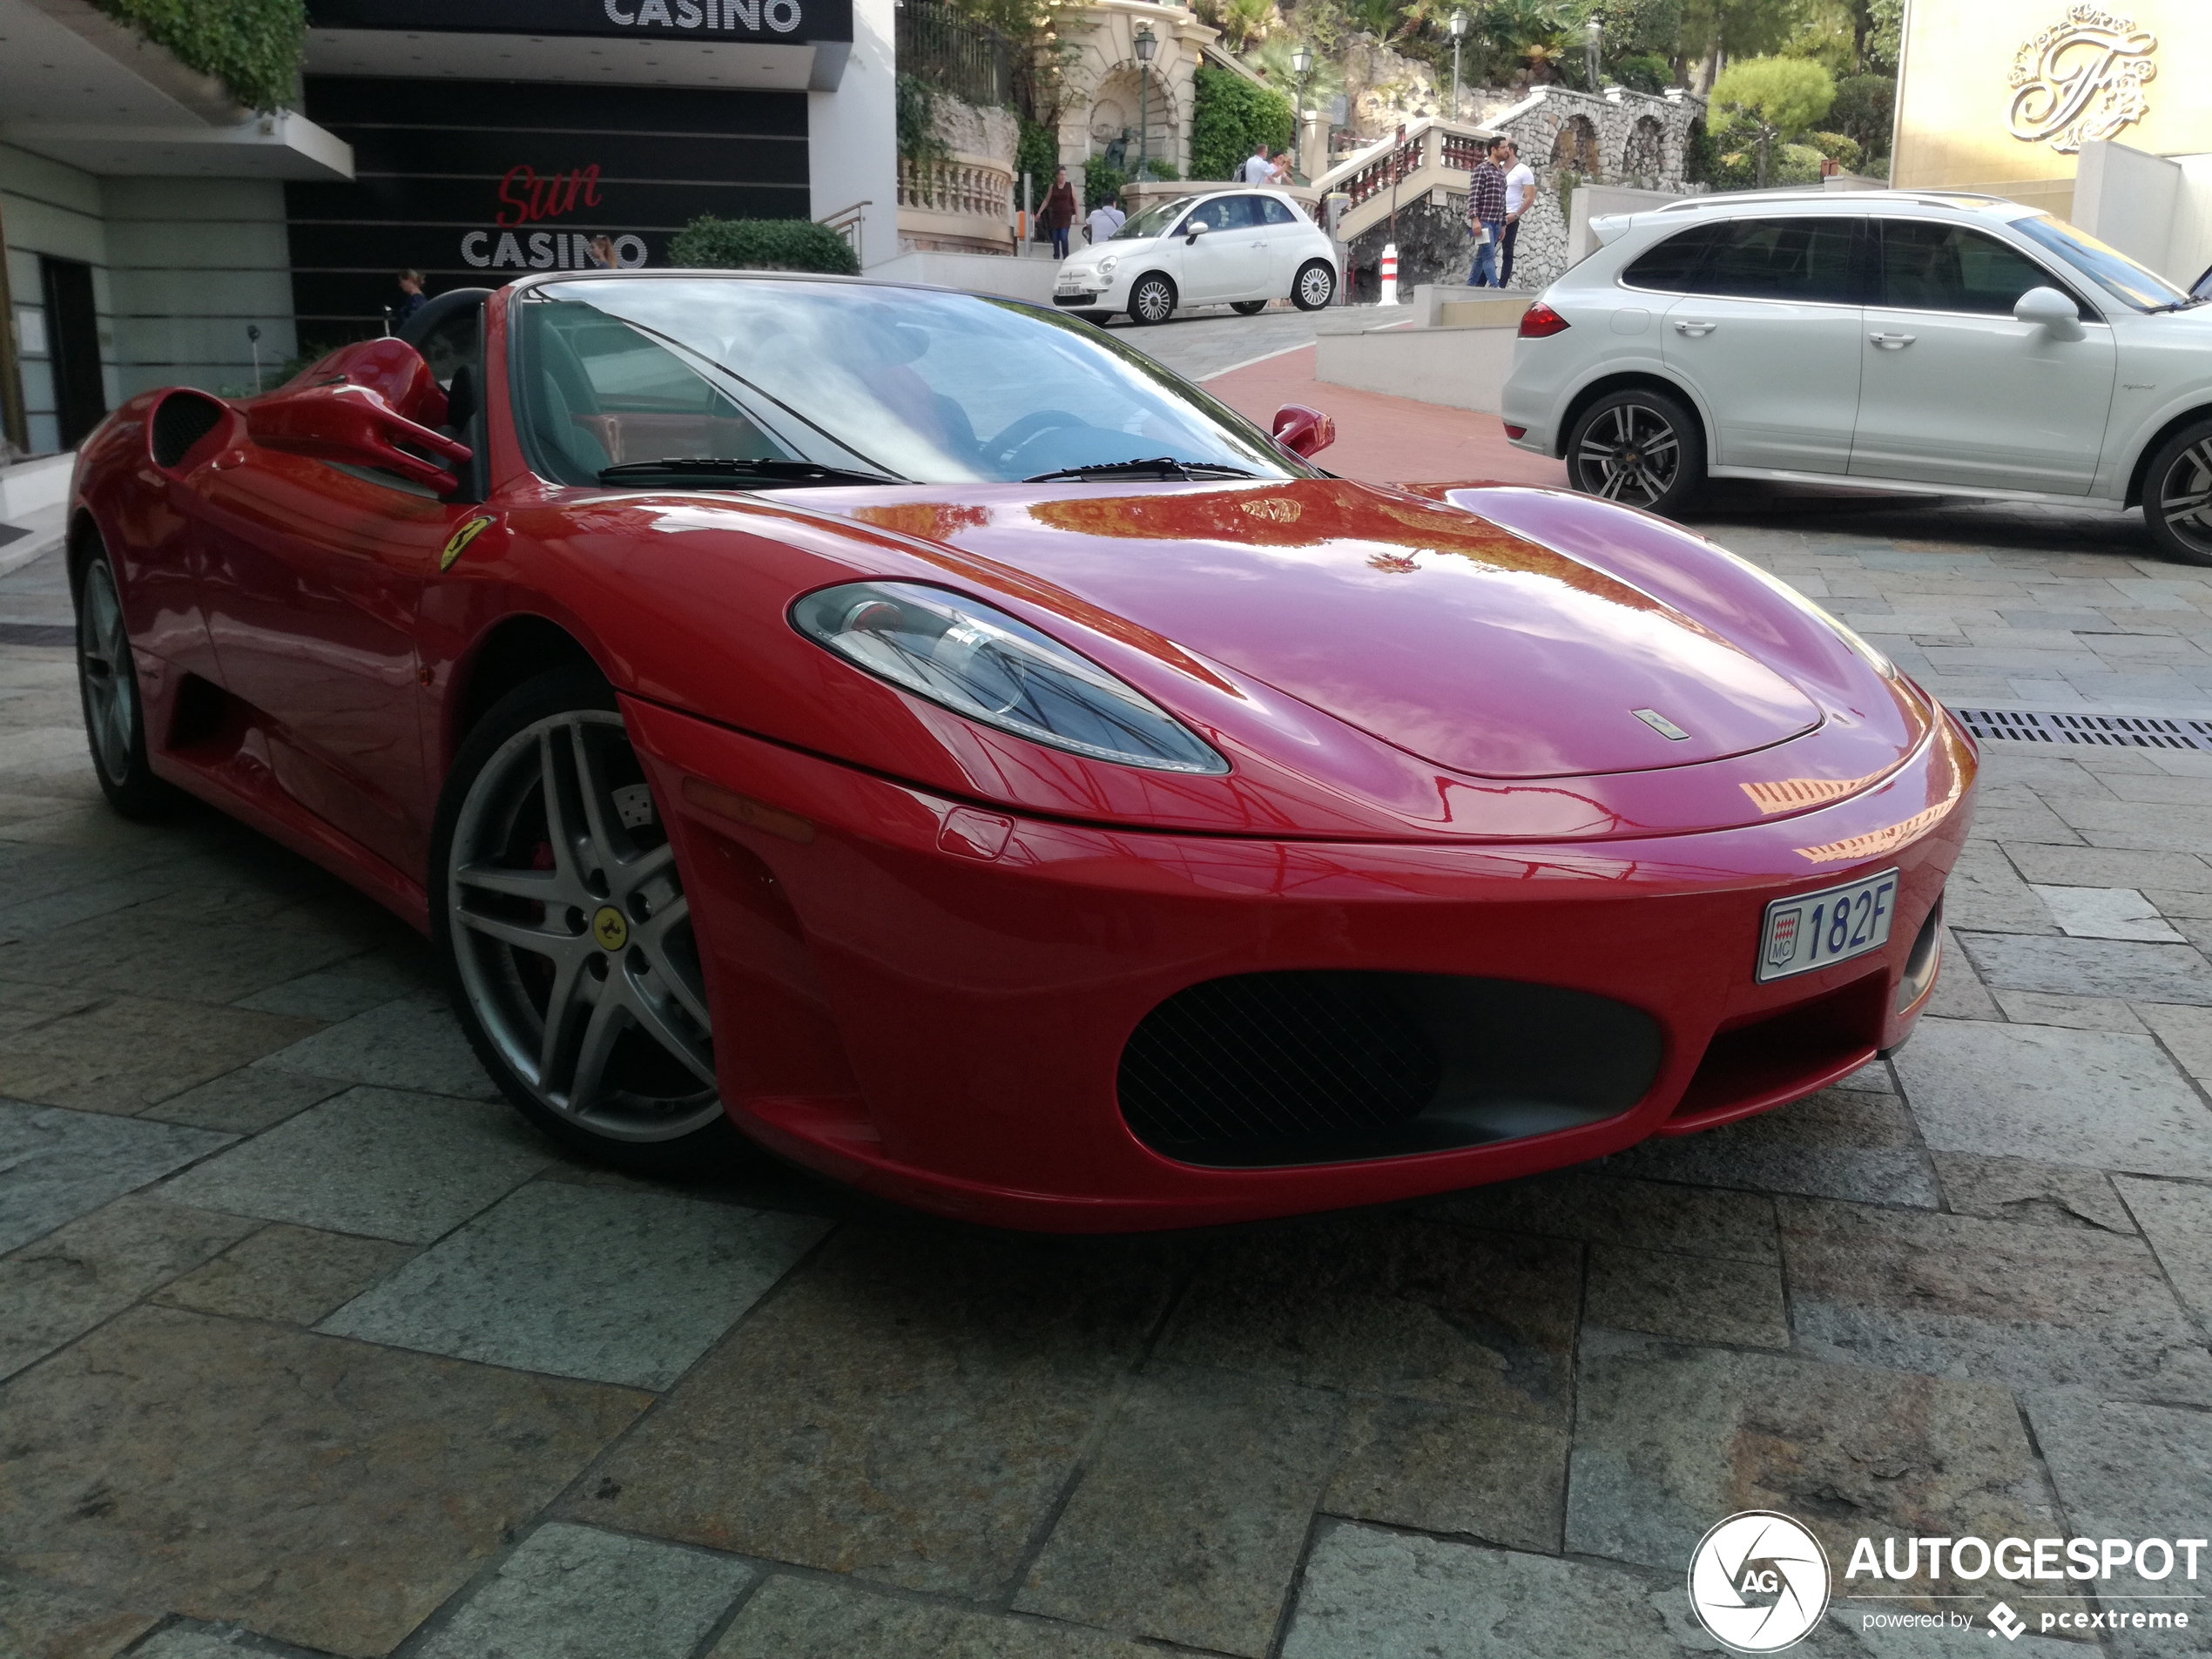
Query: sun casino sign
point(2081, 80)
point(493, 138)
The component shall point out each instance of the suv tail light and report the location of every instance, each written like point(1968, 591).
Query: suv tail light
point(1539, 322)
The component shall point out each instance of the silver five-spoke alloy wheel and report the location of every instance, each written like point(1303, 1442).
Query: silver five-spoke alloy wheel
point(110, 690)
point(2184, 498)
point(1631, 453)
point(572, 937)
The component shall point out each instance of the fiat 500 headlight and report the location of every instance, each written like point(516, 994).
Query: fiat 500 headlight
point(1106, 265)
point(980, 663)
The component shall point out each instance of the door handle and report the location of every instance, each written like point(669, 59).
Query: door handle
point(1892, 342)
point(1695, 330)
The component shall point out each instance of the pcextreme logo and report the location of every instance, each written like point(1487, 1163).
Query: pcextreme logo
point(1759, 1582)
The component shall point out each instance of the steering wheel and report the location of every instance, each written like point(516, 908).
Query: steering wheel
point(1003, 448)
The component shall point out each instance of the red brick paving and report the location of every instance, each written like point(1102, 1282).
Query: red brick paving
point(1386, 440)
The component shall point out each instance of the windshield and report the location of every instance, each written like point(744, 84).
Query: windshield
point(1153, 221)
point(2107, 267)
point(920, 387)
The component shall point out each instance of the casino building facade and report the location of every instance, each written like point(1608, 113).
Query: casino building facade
point(158, 231)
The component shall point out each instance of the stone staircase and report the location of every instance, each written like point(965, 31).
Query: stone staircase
point(1434, 156)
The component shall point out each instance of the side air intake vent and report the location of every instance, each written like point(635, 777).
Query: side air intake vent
point(1323, 1067)
point(181, 420)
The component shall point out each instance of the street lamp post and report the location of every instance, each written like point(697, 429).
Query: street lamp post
point(1147, 44)
point(1301, 67)
point(1593, 34)
point(1458, 33)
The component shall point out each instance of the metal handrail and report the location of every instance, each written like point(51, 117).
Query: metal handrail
point(849, 222)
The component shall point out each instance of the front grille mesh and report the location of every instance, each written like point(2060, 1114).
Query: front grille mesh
point(1275, 1055)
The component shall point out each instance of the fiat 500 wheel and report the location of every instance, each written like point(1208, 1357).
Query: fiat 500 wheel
point(114, 716)
point(1640, 447)
point(560, 916)
point(2177, 495)
point(1152, 300)
point(1248, 307)
point(1315, 287)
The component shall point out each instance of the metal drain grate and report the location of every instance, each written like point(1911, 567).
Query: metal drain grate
point(2110, 730)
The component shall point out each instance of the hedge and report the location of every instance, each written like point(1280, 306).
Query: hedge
point(762, 245)
point(1229, 116)
point(254, 47)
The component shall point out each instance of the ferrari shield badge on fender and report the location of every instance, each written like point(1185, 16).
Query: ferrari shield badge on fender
point(461, 537)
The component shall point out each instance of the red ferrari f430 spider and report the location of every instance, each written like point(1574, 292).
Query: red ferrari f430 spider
point(912, 732)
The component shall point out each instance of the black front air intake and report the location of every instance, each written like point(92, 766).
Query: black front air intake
point(1320, 1067)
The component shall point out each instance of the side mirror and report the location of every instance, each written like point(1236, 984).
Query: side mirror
point(1194, 232)
point(1303, 432)
point(2059, 317)
point(337, 419)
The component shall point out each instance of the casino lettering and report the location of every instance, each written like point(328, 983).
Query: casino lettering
point(745, 16)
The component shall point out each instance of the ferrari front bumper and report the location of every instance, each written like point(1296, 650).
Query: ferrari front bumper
point(932, 1000)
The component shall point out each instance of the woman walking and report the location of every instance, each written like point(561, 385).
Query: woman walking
point(1060, 212)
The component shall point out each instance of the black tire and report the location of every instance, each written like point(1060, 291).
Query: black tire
point(596, 1029)
point(1639, 446)
point(1315, 285)
point(2177, 495)
point(1097, 318)
point(1151, 300)
point(1248, 307)
point(115, 714)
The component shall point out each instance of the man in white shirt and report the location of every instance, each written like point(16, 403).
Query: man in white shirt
point(1257, 169)
point(1520, 190)
point(1104, 221)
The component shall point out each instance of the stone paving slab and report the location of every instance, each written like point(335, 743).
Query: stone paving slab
point(620, 1287)
point(55, 1165)
point(1838, 1143)
point(577, 1593)
point(2001, 1090)
point(292, 1274)
point(1671, 1438)
point(800, 1618)
point(2152, 973)
point(1190, 1517)
point(124, 1054)
point(2176, 1220)
point(377, 1161)
point(1960, 1296)
point(411, 1042)
point(356, 1486)
point(2005, 1188)
point(40, 1624)
point(908, 1411)
point(1391, 1305)
point(1435, 1468)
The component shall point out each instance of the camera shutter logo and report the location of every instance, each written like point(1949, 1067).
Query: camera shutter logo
point(1758, 1582)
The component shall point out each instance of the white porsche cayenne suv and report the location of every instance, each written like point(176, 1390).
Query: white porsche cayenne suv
point(1237, 247)
point(1922, 341)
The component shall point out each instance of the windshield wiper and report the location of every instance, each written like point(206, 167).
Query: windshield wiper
point(1157, 467)
point(2190, 304)
point(763, 470)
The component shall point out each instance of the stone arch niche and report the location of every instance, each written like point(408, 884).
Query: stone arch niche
point(1644, 158)
point(1576, 148)
point(1127, 90)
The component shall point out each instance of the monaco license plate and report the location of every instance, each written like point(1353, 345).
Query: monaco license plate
point(1813, 929)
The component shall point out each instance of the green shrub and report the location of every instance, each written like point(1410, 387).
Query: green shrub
point(916, 105)
point(1037, 153)
point(1161, 167)
point(762, 245)
point(254, 47)
point(1845, 152)
point(1642, 72)
point(1101, 181)
point(1229, 115)
point(1862, 109)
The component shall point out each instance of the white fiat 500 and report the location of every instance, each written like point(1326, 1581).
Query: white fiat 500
point(1935, 342)
point(1236, 247)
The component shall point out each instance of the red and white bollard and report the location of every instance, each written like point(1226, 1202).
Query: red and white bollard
point(1389, 275)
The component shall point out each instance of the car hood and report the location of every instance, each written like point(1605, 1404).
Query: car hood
point(1442, 633)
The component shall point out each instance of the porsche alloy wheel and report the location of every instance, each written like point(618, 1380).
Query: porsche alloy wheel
point(2177, 495)
point(114, 716)
point(563, 920)
point(1152, 300)
point(1317, 286)
point(1639, 448)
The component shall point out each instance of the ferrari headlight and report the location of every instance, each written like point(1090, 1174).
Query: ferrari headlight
point(1106, 265)
point(980, 663)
